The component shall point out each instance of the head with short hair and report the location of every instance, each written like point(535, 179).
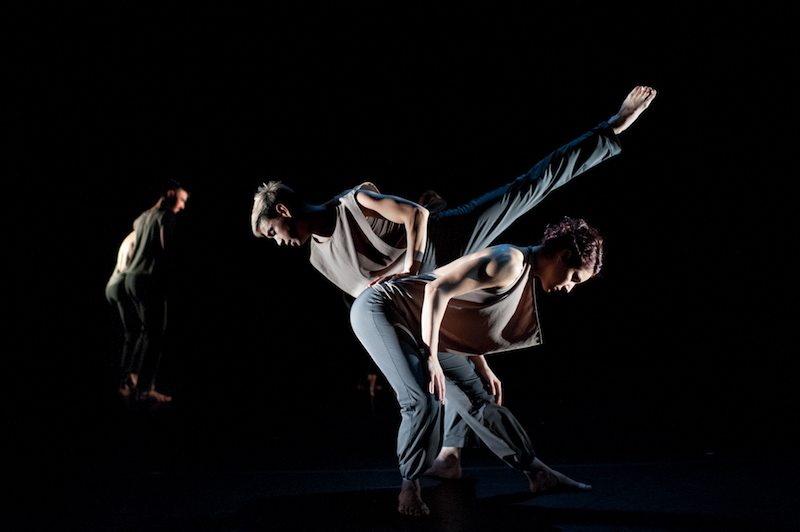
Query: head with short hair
point(173, 196)
point(267, 197)
point(579, 238)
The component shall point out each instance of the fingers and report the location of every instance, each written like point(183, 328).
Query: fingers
point(496, 389)
point(388, 278)
point(437, 388)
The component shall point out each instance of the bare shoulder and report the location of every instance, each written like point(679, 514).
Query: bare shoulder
point(505, 261)
point(369, 201)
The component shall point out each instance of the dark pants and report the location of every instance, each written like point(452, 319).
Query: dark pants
point(419, 438)
point(149, 295)
point(118, 297)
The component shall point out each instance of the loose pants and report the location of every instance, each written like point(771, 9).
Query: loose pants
point(397, 355)
point(150, 297)
point(131, 325)
point(475, 226)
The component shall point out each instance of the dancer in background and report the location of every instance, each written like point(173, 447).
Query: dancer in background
point(149, 277)
point(129, 318)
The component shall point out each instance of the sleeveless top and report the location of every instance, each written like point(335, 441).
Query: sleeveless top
point(478, 323)
point(360, 249)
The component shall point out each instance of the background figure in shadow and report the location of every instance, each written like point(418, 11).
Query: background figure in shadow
point(148, 278)
point(129, 317)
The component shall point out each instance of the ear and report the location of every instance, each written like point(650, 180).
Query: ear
point(565, 255)
point(170, 193)
point(283, 210)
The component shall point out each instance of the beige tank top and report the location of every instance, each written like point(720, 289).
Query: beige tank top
point(360, 249)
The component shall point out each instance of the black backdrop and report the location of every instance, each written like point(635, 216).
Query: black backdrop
point(688, 331)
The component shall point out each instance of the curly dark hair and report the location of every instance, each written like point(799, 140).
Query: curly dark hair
point(577, 236)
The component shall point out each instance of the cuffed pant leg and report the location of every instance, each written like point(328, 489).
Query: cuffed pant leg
point(495, 425)
point(420, 433)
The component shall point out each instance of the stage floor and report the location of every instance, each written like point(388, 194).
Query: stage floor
point(190, 467)
point(704, 495)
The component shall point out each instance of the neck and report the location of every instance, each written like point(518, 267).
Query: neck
point(540, 260)
point(319, 220)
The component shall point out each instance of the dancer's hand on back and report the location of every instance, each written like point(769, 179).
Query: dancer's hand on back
point(387, 278)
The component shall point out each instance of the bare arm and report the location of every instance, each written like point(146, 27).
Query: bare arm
point(488, 376)
point(125, 252)
point(398, 210)
point(496, 267)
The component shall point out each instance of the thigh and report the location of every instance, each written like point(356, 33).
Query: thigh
point(460, 371)
point(389, 347)
point(149, 298)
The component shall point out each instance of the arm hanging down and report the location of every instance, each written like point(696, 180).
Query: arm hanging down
point(495, 267)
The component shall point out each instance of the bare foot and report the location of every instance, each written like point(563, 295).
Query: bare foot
point(128, 386)
point(447, 465)
point(410, 499)
point(372, 378)
point(153, 395)
point(635, 103)
point(542, 479)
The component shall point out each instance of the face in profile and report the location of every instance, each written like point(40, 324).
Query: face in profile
point(282, 229)
point(559, 276)
point(176, 200)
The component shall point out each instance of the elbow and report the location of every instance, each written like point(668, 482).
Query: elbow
point(420, 216)
point(431, 291)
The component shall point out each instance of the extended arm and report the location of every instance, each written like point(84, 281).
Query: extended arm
point(496, 267)
point(398, 210)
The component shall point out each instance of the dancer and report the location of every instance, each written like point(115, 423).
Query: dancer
point(148, 278)
point(360, 236)
point(129, 318)
point(434, 328)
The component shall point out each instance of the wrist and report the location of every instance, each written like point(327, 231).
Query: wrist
point(416, 264)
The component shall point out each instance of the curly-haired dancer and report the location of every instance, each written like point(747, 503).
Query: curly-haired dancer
point(435, 328)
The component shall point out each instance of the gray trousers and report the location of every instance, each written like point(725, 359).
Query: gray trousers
point(476, 225)
point(472, 227)
point(419, 438)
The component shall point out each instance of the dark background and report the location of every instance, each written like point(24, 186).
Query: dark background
point(682, 348)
